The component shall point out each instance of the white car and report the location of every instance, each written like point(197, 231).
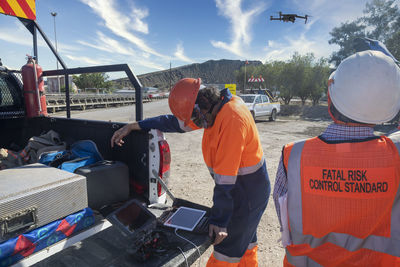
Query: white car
point(261, 106)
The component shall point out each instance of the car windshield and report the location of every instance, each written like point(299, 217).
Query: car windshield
point(248, 98)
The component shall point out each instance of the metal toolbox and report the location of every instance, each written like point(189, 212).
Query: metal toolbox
point(35, 195)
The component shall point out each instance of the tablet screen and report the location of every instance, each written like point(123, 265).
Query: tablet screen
point(185, 218)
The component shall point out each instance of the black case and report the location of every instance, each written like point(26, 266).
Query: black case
point(107, 182)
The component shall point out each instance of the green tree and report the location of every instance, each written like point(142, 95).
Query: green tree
point(318, 80)
point(300, 76)
point(275, 75)
point(380, 15)
point(380, 20)
point(344, 37)
point(287, 86)
point(92, 80)
point(393, 44)
point(302, 71)
point(240, 76)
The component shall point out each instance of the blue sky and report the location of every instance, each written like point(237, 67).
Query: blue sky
point(149, 35)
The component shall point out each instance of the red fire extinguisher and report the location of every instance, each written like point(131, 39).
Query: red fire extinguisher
point(34, 95)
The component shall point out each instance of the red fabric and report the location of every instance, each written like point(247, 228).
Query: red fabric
point(66, 228)
point(24, 246)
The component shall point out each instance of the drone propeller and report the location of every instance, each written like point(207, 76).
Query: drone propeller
point(306, 18)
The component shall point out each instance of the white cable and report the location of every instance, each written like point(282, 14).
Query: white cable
point(187, 240)
point(187, 264)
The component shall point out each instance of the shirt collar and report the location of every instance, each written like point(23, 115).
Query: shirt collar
point(343, 132)
point(226, 95)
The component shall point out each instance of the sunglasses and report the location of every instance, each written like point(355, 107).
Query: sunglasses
point(198, 117)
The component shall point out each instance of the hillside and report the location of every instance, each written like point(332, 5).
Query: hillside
point(211, 72)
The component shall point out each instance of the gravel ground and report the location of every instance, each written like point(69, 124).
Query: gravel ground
point(190, 178)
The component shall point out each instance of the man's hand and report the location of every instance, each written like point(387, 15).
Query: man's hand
point(220, 233)
point(124, 131)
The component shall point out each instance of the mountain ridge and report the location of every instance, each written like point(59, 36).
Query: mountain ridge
point(211, 72)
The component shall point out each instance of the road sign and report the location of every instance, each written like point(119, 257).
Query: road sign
point(231, 87)
point(22, 8)
point(256, 80)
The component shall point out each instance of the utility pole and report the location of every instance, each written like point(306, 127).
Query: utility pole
point(244, 80)
point(54, 14)
point(170, 74)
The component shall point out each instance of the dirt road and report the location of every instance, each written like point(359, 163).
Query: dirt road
point(190, 178)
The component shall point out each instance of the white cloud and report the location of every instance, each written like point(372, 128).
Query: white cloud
point(21, 36)
point(18, 34)
point(324, 16)
point(138, 24)
point(285, 49)
point(330, 12)
point(109, 45)
point(112, 46)
point(120, 24)
point(148, 64)
point(240, 21)
point(86, 60)
point(15, 38)
point(180, 54)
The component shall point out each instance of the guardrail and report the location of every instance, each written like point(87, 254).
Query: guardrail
point(56, 102)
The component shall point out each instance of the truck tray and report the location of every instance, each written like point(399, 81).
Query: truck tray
point(35, 195)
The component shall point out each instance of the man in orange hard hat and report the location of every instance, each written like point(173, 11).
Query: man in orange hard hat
point(337, 195)
point(233, 154)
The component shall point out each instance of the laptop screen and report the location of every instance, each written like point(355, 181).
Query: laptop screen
point(185, 218)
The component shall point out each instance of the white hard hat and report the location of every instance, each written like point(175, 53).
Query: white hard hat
point(366, 87)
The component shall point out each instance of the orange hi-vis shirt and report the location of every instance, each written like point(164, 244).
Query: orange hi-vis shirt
point(232, 146)
point(343, 202)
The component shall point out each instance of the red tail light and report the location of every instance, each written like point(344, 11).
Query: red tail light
point(165, 161)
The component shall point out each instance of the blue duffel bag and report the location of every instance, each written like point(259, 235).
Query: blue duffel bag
point(81, 153)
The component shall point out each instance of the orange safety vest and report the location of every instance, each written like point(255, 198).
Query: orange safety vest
point(343, 202)
point(232, 146)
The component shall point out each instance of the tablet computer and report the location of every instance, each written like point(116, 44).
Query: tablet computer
point(185, 218)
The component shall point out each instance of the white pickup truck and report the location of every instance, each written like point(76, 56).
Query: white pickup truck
point(261, 105)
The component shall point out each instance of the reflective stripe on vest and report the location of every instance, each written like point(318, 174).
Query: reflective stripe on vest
point(388, 245)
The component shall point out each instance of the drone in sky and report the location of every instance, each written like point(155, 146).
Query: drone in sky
point(290, 17)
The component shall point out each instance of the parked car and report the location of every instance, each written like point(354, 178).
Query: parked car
point(149, 91)
point(260, 105)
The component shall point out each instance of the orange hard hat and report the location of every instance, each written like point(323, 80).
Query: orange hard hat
point(182, 98)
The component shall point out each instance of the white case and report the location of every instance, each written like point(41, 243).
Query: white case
point(35, 195)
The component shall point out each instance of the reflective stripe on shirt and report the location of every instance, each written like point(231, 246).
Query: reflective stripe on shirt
point(231, 179)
